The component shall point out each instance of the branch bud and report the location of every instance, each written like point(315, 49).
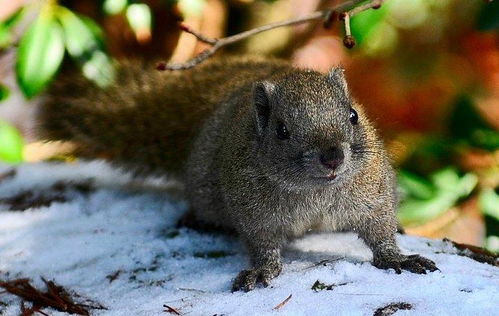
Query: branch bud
point(161, 66)
point(349, 41)
point(184, 27)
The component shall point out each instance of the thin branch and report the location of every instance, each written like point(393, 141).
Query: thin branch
point(280, 305)
point(348, 40)
point(199, 36)
point(171, 310)
point(374, 4)
point(347, 8)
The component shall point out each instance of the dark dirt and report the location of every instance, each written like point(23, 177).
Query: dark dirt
point(392, 309)
point(58, 192)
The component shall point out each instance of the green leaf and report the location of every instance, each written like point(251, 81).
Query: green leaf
point(40, 53)
point(489, 203)
point(467, 125)
point(492, 243)
point(449, 189)
point(78, 38)
point(488, 18)
point(95, 29)
point(5, 37)
point(415, 186)
point(6, 28)
point(139, 16)
point(4, 92)
point(485, 138)
point(114, 6)
point(431, 154)
point(99, 69)
point(83, 40)
point(11, 144)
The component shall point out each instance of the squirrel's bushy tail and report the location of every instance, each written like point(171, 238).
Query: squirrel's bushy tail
point(144, 121)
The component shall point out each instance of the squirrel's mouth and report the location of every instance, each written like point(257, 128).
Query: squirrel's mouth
point(330, 177)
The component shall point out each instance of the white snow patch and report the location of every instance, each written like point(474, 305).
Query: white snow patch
point(79, 242)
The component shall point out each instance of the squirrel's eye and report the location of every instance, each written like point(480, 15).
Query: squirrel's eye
point(354, 117)
point(282, 131)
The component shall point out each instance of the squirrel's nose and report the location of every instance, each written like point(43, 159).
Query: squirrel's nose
point(332, 158)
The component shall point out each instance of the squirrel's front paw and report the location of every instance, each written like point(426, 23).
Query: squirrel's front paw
point(412, 263)
point(248, 279)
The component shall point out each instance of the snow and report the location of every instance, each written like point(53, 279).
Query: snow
point(120, 227)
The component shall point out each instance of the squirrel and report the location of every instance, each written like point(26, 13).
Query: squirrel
point(264, 149)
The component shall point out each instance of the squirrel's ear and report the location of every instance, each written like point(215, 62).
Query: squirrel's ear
point(262, 92)
point(337, 77)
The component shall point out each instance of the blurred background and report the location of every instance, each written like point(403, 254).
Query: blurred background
point(426, 70)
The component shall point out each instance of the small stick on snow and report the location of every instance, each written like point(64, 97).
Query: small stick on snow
point(171, 310)
point(7, 175)
point(283, 302)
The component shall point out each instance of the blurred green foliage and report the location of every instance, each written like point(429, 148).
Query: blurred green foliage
point(365, 24)
point(84, 43)
point(112, 7)
point(489, 203)
point(488, 18)
point(11, 144)
point(467, 126)
point(430, 180)
point(40, 53)
point(425, 199)
point(139, 16)
point(57, 30)
point(4, 92)
point(6, 29)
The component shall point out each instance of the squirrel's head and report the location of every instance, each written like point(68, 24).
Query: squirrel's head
point(310, 132)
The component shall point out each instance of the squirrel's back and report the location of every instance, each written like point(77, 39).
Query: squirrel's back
point(147, 119)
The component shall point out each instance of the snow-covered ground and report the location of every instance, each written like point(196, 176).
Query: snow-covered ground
point(118, 245)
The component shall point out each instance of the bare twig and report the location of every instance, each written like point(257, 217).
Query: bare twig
point(348, 40)
point(476, 253)
point(56, 297)
point(171, 310)
point(199, 36)
point(374, 4)
point(113, 276)
point(8, 175)
point(283, 302)
point(348, 8)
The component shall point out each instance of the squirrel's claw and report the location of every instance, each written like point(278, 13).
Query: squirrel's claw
point(248, 279)
point(245, 281)
point(418, 264)
point(413, 263)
